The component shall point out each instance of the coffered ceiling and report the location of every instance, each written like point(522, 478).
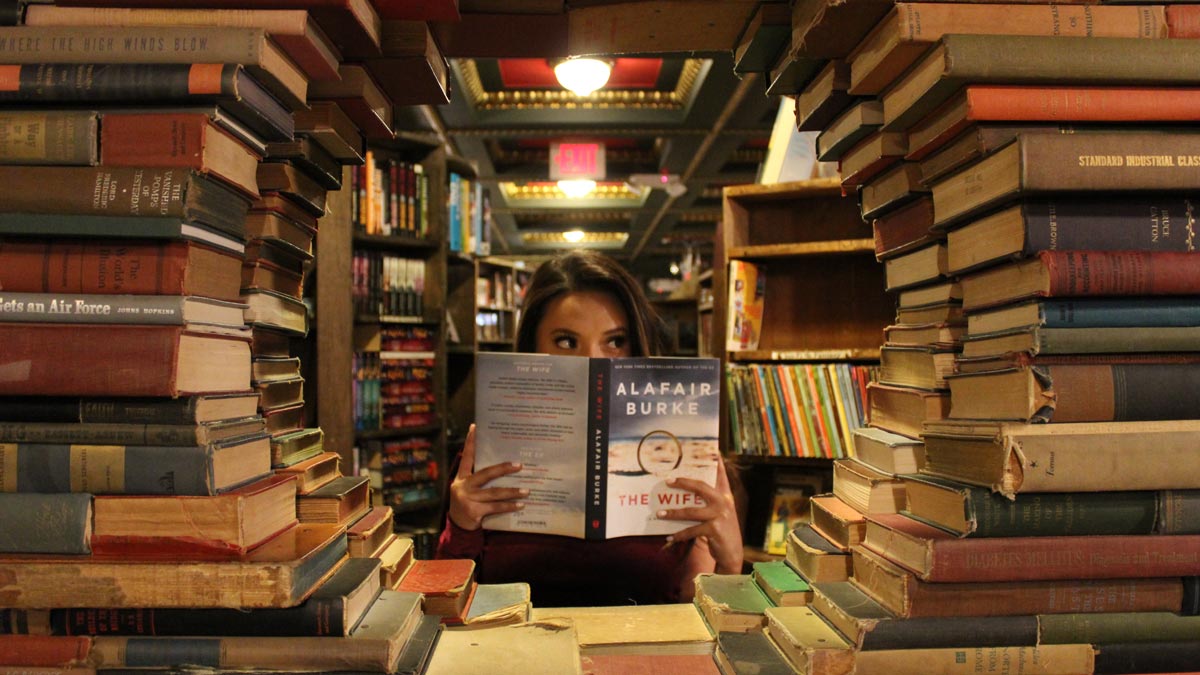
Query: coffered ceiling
point(662, 113)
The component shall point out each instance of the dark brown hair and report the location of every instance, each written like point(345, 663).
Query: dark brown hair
point(582, 270)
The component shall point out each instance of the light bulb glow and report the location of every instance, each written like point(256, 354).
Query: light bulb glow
point(573, 236)
point(577, 189)
point(582, 76)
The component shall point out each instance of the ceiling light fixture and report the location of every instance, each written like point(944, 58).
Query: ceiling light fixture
point(577, 189)
point(583, 75)
point(573, 236)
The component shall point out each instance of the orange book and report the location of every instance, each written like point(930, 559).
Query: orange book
point(447, 584)
point(1016, 103)
point(178, 139)
point(44, 651)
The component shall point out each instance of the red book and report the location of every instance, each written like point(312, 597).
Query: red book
point(904, 229)
point(44, 651)
point(189, 140)
point(933, 554)
point(119, 360)
point(447, 584)
point(126, 267)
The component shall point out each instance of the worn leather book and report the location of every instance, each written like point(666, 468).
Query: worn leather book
point(115, 360)
point(412, 70)
point(342, 500)
point(58, 523)
point(730, 602)
point(190, 140)
point(935, 555)
point(1089, 161)
point(909, 30)
point(124, 266)
point(781, 584)
point(635, 629)
point(293, 30)
point(280, 573)
point(906, 596)
point(314, 472)
point(362, 98)
point(902, 410)
point(446, 584)
point(903, 229)
point(130, 410)
point(174, 44)
point(815, 557)
point(54, 137)
point(808, 642)
point(326, 123)
point(1064, 457)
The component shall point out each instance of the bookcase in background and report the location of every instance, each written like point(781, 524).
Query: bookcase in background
point(382, 346)
point(704, 314)
point(824, 304)
point(680, 324)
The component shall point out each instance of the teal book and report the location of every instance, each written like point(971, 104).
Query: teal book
point(498, 605)
point(45, 523)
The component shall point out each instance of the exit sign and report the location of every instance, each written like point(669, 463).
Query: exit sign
point(569, 161)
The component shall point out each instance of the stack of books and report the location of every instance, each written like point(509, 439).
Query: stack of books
point(162, 479)
point(1044, 508)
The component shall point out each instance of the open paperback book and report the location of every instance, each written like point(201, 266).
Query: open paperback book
point(598, 439)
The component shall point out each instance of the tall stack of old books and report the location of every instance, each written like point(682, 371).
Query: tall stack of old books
point(163, 176)
point(1026, 499)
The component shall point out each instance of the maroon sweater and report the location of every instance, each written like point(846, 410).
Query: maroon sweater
point(568, 572)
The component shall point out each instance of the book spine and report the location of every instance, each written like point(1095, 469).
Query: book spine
point(125, 82)
point(1150, 223)
point(1101, 161)
point(43, 523)
point(93, 266)
point(1066, 659)
point(64, 137)
point(1043, 558)
point(1147, 657)
point(106, 469)
point(1130, 392)
point(44, 651)
point(316, 617)
point(91, 309)
point(1120, 313)
point(294, 653)
point(1045, 597)
point(1081, 104)
point(1100, 628)
point(154, 140)
point(1178, 512)
point(935, 632)
point(100, 434)
point(109, 191)
point(89, 360)
point(596, 506)
point(1062, 514)
point(1183, 21)
point(1074, 273)
point(132, 44)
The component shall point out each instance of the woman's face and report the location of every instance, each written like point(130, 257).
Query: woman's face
point(584, 323)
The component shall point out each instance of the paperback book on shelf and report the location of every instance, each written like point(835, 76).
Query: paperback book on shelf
point(598, 439)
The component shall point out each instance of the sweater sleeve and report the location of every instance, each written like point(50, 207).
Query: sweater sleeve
point(455, 542)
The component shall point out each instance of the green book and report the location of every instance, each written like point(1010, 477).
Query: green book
point(730, 602)
point(781, 584)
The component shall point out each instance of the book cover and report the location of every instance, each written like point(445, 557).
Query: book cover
point(808, 641)
point(634, 629)
point(781, 583)
point(731, 602)
point(54, 137)
point(508, 650)
point(815, 557)
point(45, 523)
point(598, 439)
point(750, 652)
point(747, 291)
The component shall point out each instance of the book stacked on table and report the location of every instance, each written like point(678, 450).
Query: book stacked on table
point(1027, 173)
point(161, 477)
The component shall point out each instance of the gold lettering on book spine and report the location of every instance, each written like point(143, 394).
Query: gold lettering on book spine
point(8, 467)
point(98, 468)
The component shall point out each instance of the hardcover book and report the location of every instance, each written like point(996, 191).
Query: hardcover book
point(747, 290)
point(53, 137)
point(731, 603)
point(508, 650)
point(811, 644)
point(815, 557)
point(613, 429)
point(675, 629)
point(280, 573)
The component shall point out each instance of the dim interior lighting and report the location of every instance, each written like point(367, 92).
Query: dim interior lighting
point(573, 236)
point(577, 189)
point(583, 75)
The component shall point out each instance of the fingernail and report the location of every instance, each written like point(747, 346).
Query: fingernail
point(520, 505)
point(524, 492)
point(672, 481)
point(662, 514)
point(515, 465)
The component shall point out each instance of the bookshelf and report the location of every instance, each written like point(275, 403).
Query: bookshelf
point(381, 336)
point(824, 312)
point(704, 314)
point(680, 320)
point(496, 310)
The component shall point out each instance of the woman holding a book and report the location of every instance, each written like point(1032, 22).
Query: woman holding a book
point(585, 304)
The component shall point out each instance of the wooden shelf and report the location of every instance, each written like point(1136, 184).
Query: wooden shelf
point(396, 243)
point(393, 319)
point(805, 355)
point(771, 460)
point(383, 434)
point(459, 258)
point(817, 187)
point(706, 307)
point(768, 251)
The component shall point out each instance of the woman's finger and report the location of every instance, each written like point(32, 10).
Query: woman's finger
point(486, 475)
point(499, 494)
point(467, 463)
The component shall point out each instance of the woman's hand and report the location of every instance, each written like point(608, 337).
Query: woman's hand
point(718, 530)
point(470, 501)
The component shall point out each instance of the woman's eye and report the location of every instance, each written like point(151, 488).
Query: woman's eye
point(564, 342)
point(618, 342)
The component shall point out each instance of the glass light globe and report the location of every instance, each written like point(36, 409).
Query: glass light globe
point(582, 76)
point(573, 236)
point(576, 189)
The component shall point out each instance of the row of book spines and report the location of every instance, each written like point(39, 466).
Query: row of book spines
point(389, 197)
point(391, 394)
point(495, 290)
point(492, 327)
point(388, 284)
point(797, 410)
point(468, 206)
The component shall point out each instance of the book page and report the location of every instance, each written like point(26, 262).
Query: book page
point(532, 408)
point(663, 423)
